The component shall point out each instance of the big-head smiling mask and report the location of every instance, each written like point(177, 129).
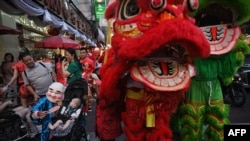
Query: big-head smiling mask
point(55, 92)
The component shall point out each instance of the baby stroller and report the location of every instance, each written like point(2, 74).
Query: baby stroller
point(76, 89)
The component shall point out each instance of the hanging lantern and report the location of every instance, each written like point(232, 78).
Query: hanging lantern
point(96, 51)
point(53, 31)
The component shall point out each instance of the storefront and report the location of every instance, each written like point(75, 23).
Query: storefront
point(34, 18)
point(30, 33)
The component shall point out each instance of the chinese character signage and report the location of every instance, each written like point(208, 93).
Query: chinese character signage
point(99, 9)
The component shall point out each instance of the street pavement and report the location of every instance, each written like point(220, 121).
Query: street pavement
point(238, 115)
point(241, 115)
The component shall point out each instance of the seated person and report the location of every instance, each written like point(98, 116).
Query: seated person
point(22, 112)
point(68, 115)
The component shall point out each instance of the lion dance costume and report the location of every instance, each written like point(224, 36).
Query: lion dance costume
point(203, 112)
point(148, 69)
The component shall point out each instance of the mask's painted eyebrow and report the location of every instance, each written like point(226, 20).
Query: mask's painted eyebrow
point(57, 91)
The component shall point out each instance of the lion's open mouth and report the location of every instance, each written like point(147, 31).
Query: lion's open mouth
point(216, 22)
point(166, 69)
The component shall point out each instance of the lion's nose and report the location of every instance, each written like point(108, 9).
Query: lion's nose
point(157, 4)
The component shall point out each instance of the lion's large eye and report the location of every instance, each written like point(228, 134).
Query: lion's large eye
point(128, 9)
point(193, 5)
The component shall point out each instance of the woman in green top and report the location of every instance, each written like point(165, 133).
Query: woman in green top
point(74, 69)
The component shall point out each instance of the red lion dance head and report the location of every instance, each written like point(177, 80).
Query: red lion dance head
point(150, 62)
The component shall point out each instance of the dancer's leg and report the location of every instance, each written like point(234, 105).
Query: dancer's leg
point(191, 121)
point(216, 117)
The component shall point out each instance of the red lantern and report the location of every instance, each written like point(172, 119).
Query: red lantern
point(96, 51)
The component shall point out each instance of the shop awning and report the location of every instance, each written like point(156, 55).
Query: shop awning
point(41, 16)
point(7, 30)
point(10, 8)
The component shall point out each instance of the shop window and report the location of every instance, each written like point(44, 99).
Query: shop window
point(28, 40)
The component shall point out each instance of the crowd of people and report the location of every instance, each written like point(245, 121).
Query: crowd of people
point(33, 81)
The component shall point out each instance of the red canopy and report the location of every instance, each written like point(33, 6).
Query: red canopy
point(58, 41)
point(8, 30)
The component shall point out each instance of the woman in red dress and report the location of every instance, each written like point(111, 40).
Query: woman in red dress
point(25, 97)
point(58, 69)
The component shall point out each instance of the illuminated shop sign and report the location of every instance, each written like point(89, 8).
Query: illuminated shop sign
point(99, 9)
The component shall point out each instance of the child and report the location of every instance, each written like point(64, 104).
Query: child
point(68, 115)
